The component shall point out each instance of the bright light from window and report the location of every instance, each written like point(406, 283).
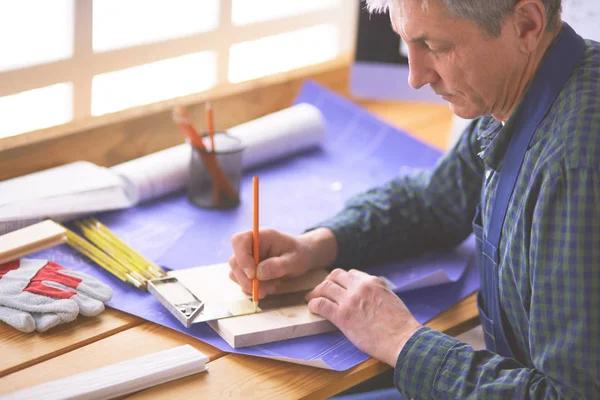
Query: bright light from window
point(149, 83)
point(36, 109)
point(119, 23)
point(283, 52)
point(245, 12)
point(35, 32)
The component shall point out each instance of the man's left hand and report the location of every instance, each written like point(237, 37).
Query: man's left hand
point(366, 311)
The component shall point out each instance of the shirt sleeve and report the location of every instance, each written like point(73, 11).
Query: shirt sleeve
point(412, 213)
point(564, 337)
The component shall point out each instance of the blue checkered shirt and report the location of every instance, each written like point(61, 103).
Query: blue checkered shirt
point(549, 271)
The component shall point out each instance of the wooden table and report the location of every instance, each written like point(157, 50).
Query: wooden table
point(30, 359)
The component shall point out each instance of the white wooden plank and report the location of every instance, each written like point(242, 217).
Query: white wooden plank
point(121, 378)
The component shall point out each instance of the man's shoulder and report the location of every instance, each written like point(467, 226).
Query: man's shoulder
point(581, 94)
point(573, 124)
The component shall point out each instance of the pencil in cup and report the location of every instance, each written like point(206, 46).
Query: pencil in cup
point(220, 180)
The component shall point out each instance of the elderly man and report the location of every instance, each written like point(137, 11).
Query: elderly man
point(525, 177)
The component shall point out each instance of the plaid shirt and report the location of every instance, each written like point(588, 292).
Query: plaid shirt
point(549, 251)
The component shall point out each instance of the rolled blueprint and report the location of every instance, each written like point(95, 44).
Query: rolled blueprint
point(280, 134)
point(266, 139)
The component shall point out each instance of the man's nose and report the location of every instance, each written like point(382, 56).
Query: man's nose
point(420, 72)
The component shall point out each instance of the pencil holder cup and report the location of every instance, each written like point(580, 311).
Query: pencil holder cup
point(214, 174)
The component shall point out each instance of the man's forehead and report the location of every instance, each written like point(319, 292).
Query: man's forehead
point(413, 17)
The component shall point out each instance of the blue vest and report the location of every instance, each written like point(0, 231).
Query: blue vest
point(562, 58)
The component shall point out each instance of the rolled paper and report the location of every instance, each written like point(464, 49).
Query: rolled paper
point(266, 139)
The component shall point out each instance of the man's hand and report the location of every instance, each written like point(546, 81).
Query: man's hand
point(282, 256)
point(366, 311)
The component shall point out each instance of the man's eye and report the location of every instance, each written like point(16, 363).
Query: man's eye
point(437, 50)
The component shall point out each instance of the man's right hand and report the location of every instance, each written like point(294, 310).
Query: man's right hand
point(282, 256)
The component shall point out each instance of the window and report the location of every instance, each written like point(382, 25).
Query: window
point(72, 59)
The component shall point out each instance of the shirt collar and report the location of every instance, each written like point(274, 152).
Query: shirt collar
point(494, 139)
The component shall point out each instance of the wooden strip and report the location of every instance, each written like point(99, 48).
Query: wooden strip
point(237, 376)
point(30, 239)
point(21, 350)
point(271, 326)
point(135, 342)
point(121, 378)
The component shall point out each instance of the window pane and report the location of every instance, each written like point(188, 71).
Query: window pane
point(119, 23)
point(36, 109)
point(283, 52)
point(245, 12)
point(35, 32)
point(149, 83)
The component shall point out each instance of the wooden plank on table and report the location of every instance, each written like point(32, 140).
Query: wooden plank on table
point(271, 326)
point(135, 342)
point(237, 376)
point(28, 240)
point(20, 350)
point(211, 284)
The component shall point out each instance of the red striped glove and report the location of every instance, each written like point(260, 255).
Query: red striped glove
point(40, 294)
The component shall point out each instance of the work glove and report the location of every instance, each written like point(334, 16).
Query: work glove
point(40, 294)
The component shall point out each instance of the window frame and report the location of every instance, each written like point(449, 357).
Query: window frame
point(85, 64)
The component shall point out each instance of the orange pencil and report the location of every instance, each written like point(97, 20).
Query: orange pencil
point(211, 134)
point(184, 122)
point(255, 240)
point(210, 125)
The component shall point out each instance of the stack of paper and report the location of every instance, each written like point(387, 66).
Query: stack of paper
point(61, 193)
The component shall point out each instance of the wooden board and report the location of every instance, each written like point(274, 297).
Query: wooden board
point(30, 239)
point(212, 283)
point(271, 326)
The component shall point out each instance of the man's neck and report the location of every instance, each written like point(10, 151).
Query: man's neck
point(520, 85)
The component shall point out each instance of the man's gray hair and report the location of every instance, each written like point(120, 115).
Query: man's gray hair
point(489, 14)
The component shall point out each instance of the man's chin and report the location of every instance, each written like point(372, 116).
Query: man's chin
point(463, 111)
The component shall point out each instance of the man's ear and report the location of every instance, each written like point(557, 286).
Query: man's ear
point(530, 23)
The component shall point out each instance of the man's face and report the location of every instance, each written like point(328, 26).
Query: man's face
point(476, 73)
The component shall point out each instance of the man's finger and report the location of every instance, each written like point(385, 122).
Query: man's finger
point(324, 307)
point(239, 276)
point(271, 268)
point(342, 278)
point(242, 251)
point(232, 277)
point(358, 274)
point(329, 290)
